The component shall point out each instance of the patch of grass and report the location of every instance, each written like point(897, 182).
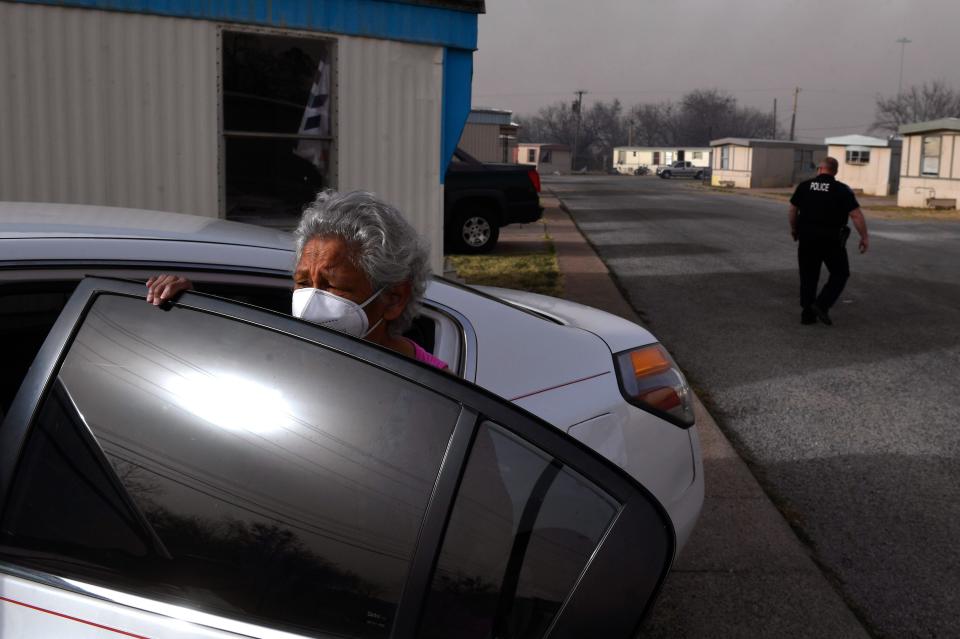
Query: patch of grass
point(904, 213)
point(536, 272)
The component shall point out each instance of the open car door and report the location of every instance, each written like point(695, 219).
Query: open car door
point(218, 470)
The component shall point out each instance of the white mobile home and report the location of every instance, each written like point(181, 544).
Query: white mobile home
point(867, 164)
point(626, 159)
point(930, 168)
point(548, 158)
point(750, 163)
point(239, 110)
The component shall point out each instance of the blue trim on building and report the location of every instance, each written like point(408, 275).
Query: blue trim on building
point(385, 19)
point(457, 87)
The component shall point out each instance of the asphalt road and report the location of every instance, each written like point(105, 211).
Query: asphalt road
point(853, 430)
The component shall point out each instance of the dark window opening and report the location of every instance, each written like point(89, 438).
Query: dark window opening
point(277, 111)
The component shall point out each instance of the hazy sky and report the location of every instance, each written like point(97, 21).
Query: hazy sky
point(841, 54)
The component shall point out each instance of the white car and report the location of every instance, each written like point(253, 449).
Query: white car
point(566, 363)
point(223, 426)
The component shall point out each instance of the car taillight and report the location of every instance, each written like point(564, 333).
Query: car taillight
point(650, 379)
point(534, 179)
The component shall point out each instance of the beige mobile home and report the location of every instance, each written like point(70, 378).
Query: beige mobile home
point(626, 159)
point(548, 158)
point(750, 163)
point(930, 168)
point(867, 164)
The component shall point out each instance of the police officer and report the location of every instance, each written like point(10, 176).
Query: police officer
point(819, 211)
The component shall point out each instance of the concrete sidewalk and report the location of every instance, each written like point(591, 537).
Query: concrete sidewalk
point(743, 573)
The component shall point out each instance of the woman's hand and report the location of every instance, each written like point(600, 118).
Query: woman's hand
point(161, 288)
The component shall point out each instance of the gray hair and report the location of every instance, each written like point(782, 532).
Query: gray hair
point(384, 245)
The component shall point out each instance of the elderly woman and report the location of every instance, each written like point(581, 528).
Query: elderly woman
point(361, 269)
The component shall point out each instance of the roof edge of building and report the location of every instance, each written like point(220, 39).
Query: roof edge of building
point(762, 142)
point(443, 23)
point(941, 124)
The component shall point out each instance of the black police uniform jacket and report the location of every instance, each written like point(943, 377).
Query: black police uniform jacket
point(825, 205)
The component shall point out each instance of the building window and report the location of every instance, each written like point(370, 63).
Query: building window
point(724, 157)
point(622, 156)
point(930, 160)
point(532, 155)
point(545, 156)
point(634, 154)
point(698, 155)
point(277, 131)
point(858, 157)
point(656, 157)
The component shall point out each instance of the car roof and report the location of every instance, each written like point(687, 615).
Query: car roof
point(47, 232)
point(49, 220)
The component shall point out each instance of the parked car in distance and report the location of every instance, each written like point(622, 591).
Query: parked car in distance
point(480, 197)
point(682, 168)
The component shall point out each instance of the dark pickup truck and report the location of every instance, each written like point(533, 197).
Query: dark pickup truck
point(479, 198)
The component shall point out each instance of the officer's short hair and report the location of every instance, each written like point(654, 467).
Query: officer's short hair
point(831, 163)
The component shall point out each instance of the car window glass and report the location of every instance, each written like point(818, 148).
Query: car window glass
point(27, 312)
point(272, 478)
point(522, 530)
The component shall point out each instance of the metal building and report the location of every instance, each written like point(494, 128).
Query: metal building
point(748, 163)
point(238, 110)
point(490, 135)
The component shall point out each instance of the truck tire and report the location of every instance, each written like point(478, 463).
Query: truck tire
point(477, 230)
point(665, 175)
point(698, 176)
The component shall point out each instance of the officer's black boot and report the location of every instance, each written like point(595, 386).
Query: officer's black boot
point(808, 316)
point(821, 314)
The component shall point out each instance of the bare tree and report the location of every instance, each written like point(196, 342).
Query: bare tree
point(700, 116)
point(916, 104)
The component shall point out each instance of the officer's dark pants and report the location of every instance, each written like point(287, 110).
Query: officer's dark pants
point(816, 249)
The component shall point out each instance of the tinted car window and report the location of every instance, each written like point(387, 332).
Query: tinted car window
point(260, 476)
point(522, 530)
point(27, 311)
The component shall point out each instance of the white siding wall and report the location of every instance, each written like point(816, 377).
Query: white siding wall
point(388, 128)
point(873, 178)
point(121, 109)
point(739, 165)
point(108, 108)
point(915, 188)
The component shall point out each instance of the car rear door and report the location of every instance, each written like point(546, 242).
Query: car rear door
point(219, 470)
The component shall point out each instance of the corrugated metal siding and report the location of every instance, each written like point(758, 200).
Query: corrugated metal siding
point(388, 128)
point(108, 108)
point(483, 142)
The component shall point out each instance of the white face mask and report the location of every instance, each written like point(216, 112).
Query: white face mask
point(333, 311)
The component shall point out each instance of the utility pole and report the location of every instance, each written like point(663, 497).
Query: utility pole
point(630, 134)
point(793, 118)
point(903, 46)
point(576, 136)
point(774, 136)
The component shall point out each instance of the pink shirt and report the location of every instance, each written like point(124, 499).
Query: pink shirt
point(422, 355)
